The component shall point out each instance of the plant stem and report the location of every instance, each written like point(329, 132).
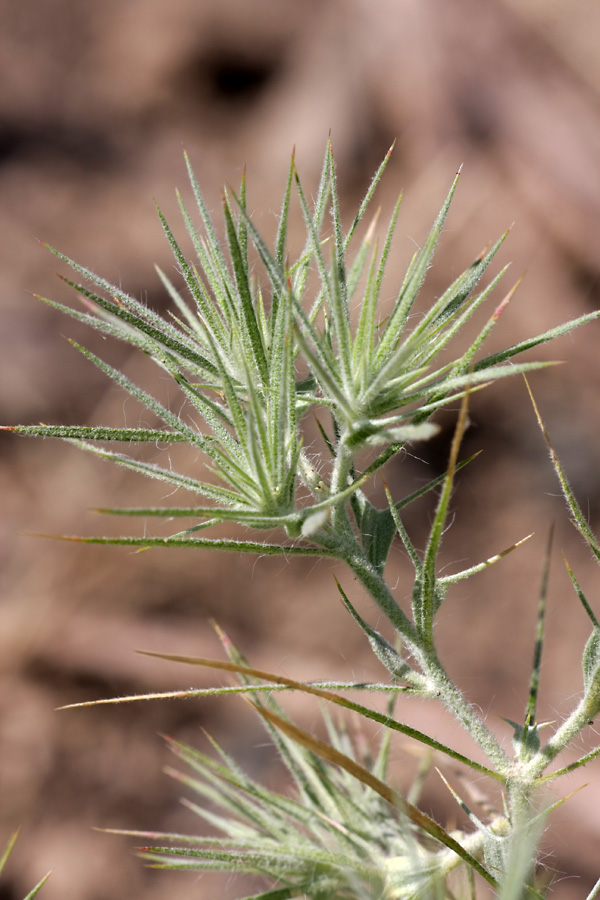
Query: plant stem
point(349, 550)
point(581, 716)
point(339, 480)
point(462, 710)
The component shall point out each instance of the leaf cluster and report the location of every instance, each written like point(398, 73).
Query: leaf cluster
point(339, 832)
point(250, 354)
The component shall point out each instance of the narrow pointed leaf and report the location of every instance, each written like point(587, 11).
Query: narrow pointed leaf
point(283, 222)
point(145, 399)
point(214, 242)
point(8, 849)
point(566, 770)
point(424, 822)
point(528, 728)
point(334, 293)
point(260, 549)
point(404, 303)
point(38, 887)
point(330, 697)
point(429, 593)
point(578, 518)
point(97, 433)
point(479, 567)
point(385, 653)
point(247, 311)
point(522, 346)
point(591, 615)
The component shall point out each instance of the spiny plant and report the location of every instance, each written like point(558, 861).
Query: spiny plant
point(252, 348)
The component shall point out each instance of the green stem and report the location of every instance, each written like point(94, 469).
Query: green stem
point(519, 790)
point(342, 540)
point(355, 557)
point(462, 710)
point(429, 662)
point(581, 717)
point(441, 685)
point(339, 480)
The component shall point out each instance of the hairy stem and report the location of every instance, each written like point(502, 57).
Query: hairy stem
point(462, 710)
point(349, 550)
point(339, 480)
point(581, 717)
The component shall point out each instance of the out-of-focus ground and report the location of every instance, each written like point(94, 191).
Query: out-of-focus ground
point(97, 102)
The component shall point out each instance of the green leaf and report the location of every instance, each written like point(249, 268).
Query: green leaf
point(38, 887)
point(522, 346)
point(566, 770)
point(430, 592)
point(377, 530)
point(374, 715)
point(369, 194)
point(247, 321)
point(167, 475)
point(336, 298)
point(591, 615)
point(261, 549)
point(110, 325)
point(364, 338)
point(591, 661)
point(4, 857)
point(420, 819)
point(283, 223)
point(385, 653)
point(406, 298)
point(134, 314)
point(578, 517)
point(97, 433)
point(146, 399)
point(8, 849)
point(529, 740)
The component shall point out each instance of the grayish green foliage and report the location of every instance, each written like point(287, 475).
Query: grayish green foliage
point(251, 352)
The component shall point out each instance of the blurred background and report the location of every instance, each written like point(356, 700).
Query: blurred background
point(97, 102)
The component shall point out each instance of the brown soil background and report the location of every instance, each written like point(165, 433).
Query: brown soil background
point(97, 101)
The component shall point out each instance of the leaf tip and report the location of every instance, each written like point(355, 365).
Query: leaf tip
point(506, 300)
point(221, 634)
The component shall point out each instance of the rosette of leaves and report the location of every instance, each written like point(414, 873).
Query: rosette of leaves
point(235, 344)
